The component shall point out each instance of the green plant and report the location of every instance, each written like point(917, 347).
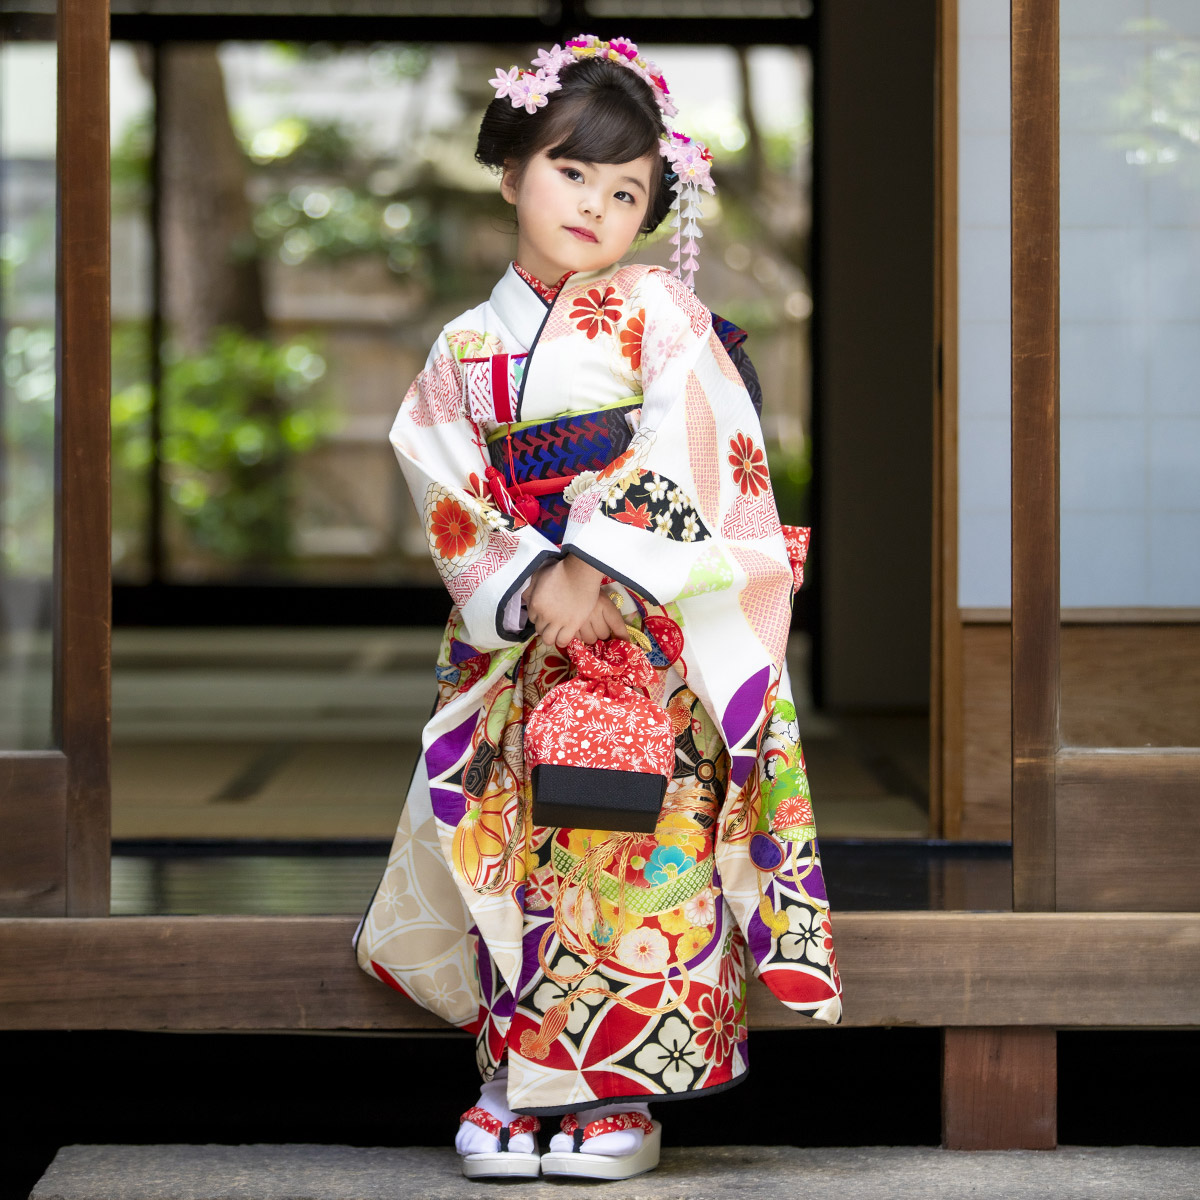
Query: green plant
point(235, 419)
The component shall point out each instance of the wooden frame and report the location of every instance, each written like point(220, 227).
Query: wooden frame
point(56, 804)
point(83, 608)
point(945, 641)
point(996, 1082)
point(1035, 437)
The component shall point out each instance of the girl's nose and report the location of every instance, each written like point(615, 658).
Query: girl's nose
point(593, 207)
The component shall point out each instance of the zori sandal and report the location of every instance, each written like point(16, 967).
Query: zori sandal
point(605, 1166)
point(502, 1161)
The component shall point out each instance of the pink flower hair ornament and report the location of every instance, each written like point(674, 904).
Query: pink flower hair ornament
point(690, 161)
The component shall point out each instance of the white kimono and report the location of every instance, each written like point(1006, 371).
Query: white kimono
point(601, 966)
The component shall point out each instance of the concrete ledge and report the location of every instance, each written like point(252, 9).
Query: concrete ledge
point(770, 1173)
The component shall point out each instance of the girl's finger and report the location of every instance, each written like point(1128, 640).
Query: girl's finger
point(615, 627)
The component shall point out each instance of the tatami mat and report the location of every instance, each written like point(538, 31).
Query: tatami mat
point(313, 734)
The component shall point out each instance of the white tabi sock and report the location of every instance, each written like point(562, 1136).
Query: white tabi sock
point(619, 1144)
point(493, 1098)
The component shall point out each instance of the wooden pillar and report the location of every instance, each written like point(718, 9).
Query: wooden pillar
point(999, 1085)
point(84, 584)
point(999, 1088)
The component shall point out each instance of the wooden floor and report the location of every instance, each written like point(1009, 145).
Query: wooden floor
point(312, 733)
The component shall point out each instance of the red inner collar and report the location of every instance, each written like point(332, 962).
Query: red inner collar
point(545, 290)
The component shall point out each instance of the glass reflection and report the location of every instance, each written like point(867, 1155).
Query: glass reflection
point(1130, 408)
point(1130, 304)
point(28, 386)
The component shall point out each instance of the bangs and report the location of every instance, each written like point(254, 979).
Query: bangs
point(605, 128)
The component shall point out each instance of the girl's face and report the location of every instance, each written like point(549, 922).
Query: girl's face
point(577, 216)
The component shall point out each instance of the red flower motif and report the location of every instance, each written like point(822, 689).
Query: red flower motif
point(793, 811)
point(597, 312)
point(637, 517)
point(827, 943)
point(631, 339)
point(451, 528)
point(714, 1025)
point(749, 465)
point(555, 669)
point(616, 466)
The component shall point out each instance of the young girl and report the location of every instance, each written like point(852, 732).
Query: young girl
point(587, 459)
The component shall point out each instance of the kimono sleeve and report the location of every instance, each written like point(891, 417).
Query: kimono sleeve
point(688, 509)
point(484, 556)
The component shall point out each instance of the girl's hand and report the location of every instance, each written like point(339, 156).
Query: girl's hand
point(562, 599)
point(603, 622)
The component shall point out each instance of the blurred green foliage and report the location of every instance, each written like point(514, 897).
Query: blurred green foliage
point(28, 447)
point(791, 474)
point(234, 420)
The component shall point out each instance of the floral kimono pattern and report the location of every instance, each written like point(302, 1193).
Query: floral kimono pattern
point(604, 966)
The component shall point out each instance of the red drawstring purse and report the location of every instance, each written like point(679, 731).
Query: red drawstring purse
point(599, 751)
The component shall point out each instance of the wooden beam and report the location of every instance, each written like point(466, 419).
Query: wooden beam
point(1128, 827)
point(83, 592)
point(930, 969)
point(999, 1089)
point(1035, 530)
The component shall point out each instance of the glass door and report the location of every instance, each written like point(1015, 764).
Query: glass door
point(54, 501)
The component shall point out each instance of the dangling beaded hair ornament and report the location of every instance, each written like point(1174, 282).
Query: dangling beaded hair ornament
point(690, 160)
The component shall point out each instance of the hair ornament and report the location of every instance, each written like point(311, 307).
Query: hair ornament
point(691, 166)
point(690, 161)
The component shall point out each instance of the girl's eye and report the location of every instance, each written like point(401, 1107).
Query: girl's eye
point(572, 174)
point(624, 197)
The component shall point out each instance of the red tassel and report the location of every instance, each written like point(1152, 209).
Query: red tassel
point(523, 506)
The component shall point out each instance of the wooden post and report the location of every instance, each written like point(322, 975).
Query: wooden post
point(1035, 436)
point(999, 1085)
point(83, 599)
point(999, 1089)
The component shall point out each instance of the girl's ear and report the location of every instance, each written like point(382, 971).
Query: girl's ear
point(508, 183)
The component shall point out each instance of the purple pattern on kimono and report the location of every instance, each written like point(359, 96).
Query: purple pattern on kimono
point(743, 712)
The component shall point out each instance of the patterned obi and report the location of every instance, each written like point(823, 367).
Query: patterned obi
point(538, 460)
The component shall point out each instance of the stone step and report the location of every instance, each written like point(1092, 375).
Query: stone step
point(308, 1172)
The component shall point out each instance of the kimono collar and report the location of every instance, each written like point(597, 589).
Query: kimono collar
point(547, 291)
point(523, 310)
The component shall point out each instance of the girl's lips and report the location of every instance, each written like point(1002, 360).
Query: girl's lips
point(582, 234)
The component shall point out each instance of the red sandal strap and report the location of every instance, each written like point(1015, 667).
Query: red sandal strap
point(490, 1124)
point(526, 1124)
point(612, 1124)
point(482, 1118)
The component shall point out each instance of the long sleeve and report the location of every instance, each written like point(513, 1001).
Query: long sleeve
point(485, 556)
point(687, 512)
point(687, 518)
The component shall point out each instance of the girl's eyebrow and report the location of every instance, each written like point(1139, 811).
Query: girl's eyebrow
point(636, 182)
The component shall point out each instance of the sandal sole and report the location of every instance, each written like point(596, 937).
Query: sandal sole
point(501, 1164)
point(606, 1166)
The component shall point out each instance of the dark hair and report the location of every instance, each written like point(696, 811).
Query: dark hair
point(603, 113)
